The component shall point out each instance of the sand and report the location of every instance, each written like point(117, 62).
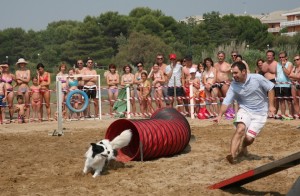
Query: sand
point(34, 163)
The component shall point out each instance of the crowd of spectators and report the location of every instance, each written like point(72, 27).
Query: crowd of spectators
point(166, 84)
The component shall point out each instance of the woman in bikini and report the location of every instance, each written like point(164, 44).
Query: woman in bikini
point(22, 80)
point(44, 81)
point(295, 78)
point(3, 95)
point(8, 78)
point(211, 90)
point(128, 79)
point(138, 79)
point(73, 85)
point(62, 77)
point(158, 79)
point(145, 89)
point(36, 99)
point(112, 79)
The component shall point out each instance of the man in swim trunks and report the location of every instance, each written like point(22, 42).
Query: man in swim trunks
point(90, 86)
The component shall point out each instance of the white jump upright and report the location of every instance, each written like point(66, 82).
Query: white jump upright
point(128, 101)
point(59, 130)
point(192, 102)
point(99, 97)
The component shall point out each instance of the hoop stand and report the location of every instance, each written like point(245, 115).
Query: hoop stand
point(59, 131)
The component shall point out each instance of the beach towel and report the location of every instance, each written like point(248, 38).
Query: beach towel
point(120, 107)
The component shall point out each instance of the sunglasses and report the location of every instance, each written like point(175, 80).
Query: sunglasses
point(140, 65)
point(282, 57)
point(159, 58)
point(296, 60)
point(234, 55)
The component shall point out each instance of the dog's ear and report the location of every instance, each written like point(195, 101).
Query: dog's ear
point(93, 144)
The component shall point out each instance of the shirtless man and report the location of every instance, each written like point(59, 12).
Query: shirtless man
point(223, 73)
point(90, 86)
point(269, 66)
point(162, 67)
point(188, 60)
point(269, 69)
point(80, 71)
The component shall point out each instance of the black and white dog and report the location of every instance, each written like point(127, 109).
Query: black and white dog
point(99, 153)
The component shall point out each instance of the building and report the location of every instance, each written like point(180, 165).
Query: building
point(273, 20)
point(293, 22)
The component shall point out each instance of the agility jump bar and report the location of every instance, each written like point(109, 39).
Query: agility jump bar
point(260, 172)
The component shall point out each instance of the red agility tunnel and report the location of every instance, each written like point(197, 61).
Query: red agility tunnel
point(166, 133)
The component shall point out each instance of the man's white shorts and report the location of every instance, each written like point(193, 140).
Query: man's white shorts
point(254, 122)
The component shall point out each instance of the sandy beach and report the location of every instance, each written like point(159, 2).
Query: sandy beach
point(34, 163)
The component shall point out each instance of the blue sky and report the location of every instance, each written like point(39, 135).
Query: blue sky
point(36, 14)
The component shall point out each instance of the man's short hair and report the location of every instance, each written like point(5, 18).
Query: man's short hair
point(221, 52)
point(188, 58)
point(272, 51)
point(240, 65)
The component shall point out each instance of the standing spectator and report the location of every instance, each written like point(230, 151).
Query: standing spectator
point(145, 88)
point(158, 80)
point(22, 80)
point(8, 78)
point(162, 66)
point(128, 79)
point(138, 79)
point(223, 73)
point(62, 77)
point(36, 99)
point(283, 85)
point(235, 56)
point(211, 89)
point(3, 95)
point(90, 87)
point(44, 81)
point(187, 65)
point(112, 80)
point(20, 108)
point(174, 73)
point(196, 86)
point(199, 75)
point(295, 90)
point(79, 70)
point(73, 85)
point(269, 66)
point(259, 64)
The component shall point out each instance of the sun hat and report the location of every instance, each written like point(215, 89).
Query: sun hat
point(172, 56)
point(21, 60)
point(193, 70)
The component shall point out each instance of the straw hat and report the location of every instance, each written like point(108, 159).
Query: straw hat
point(21, 60)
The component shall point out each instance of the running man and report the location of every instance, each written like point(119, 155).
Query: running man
point(250, 91)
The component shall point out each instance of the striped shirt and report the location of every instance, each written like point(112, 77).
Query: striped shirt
point(252, 95)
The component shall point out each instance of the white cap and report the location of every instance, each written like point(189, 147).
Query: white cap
point(193, 70)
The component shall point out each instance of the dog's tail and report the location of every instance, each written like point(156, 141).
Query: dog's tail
point(121, 140)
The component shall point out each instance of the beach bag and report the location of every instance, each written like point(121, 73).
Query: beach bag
point(203, 114)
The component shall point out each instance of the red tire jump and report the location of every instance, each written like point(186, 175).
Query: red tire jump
point(166, 133)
